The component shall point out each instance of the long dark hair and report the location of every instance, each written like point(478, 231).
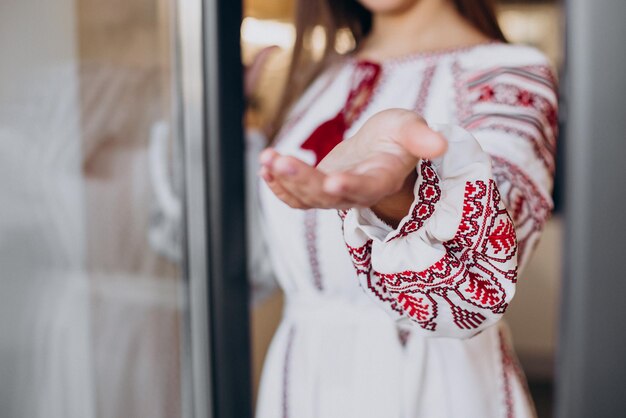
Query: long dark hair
point(335, 15)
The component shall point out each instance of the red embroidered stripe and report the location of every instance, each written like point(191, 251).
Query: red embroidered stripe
point(540, 74)
point(528, 207)
point(290, 338)
point(310, 231)
point(428, 193)
point(424, 90)
point(508, 393)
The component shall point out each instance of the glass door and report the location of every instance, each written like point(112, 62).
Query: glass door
point(106, 304)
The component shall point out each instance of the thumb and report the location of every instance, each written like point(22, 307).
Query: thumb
point(420, 140)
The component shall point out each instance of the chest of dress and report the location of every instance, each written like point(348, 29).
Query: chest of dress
point(309, 244)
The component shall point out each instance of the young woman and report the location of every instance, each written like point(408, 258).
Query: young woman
point(402, 194)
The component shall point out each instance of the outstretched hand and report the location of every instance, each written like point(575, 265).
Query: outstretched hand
point(374, 168)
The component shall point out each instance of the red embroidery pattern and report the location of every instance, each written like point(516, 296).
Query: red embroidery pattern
point(403, 336)
point(512, 95)
point(310, 227)
point(462, 109)
point(428, 195)
point(483, 290)
point(485, 225)
point(544, 146)
point(506, 362)
point(528, 207)
point(366, 77)
point(524, 98)
point(471, 269)
point(539, 75)
point(484, 242)
point(424, 91)
point(516, 369)
point(293, 120)
point(287, 361)
point(463, 318)
point(420, 307)
point(361, 257)
point(441, 274)
point(376, 286)
point(511, 368)
point(362, 260)
point(503, 237)
point(330, 133)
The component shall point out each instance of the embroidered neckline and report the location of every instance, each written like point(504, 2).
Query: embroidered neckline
point(419, 55)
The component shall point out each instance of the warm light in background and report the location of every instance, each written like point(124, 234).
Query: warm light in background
point(537, 25)
point(260, 33)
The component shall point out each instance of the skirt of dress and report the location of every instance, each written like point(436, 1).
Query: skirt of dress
point(333, 358)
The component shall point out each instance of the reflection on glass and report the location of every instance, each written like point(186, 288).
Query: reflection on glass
point(91, 296)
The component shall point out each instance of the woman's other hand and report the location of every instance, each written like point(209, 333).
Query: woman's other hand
point(252, 77)
point(375, 168)
point(252, 72)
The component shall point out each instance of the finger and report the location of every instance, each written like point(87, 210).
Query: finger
point(420, 140)
point(304, 182)
point(361, 189)
point(265, 174)
point(285, 196)
point(289, 168)
point(267, 156)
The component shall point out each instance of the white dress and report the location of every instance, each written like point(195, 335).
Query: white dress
point(404, 323)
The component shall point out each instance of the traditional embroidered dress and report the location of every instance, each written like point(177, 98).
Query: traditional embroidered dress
point(403, 323)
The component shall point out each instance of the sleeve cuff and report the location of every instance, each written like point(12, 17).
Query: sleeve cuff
point(440, 188)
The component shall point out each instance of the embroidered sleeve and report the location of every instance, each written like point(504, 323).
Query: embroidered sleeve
point(512, 112)
point(450, 266)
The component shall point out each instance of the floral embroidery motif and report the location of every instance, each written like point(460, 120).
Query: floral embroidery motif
point(403, 336)
point(544, 147)
point(528, 207)
point(420, 307)
point(362, 260)
point(330, 133)
point(471, 270)
point(310, 228)
point(428, 195)
point(424, 90)
point(518, 101)
point(361, 257)
point(286, 363)
point(512, 368)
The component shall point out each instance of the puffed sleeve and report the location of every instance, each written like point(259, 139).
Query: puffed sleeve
point(512, 112)
point(260, 272)
point(450, 267)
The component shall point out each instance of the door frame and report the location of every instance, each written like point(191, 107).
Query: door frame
point(216, 359)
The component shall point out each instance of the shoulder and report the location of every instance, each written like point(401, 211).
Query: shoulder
point(507, 68)
point(503, 54)
point(501, 59)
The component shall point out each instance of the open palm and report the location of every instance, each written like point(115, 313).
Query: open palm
point(363, 170)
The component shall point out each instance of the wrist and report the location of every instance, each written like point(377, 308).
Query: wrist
point(393, 208)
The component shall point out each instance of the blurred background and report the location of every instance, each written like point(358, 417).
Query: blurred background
point(94, 289)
